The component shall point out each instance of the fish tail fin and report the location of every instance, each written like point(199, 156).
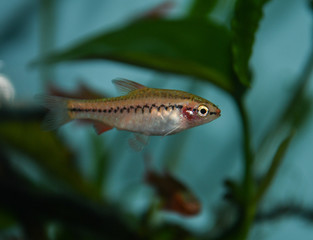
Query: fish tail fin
point(58, 114)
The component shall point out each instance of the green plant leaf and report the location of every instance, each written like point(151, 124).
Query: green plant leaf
point(6, 219)
point(201, 8)
point(244, 26)
point(194, 47)
point(271, 173)
point(100, 163)
point(46, 150)
point(69, 211)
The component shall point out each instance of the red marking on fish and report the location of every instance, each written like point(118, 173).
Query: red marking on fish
point(101, 128)
point(188, 113)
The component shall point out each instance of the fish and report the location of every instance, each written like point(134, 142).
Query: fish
point(174, 195)
point(141, 110)
point(81, 92)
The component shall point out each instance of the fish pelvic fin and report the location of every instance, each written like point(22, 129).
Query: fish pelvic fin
point(58, 114)
point(101, 127)
point(125, 86)
point(98, 126)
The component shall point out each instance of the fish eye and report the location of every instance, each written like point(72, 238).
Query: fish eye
point(203, 110)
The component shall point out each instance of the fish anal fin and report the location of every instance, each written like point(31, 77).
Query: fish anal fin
point(138, 141)
point(101, 127)
point(125, 86)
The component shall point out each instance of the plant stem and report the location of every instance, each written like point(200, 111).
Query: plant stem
point(247, 183)
point(283, 210)
point(247, 207)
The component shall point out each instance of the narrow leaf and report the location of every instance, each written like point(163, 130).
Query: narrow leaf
point(269, 176)
point(244, 26)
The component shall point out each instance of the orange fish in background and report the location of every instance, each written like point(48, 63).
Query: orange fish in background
point(159, 11)
point(82, 92)
point(174, 195)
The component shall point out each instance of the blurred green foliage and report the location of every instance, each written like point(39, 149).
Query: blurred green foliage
point(46, 149)
point(245, 22)
point(194, 46)
point(202, 8)
point(178, 46)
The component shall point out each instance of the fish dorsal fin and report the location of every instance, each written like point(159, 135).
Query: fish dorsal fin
point(125, 86)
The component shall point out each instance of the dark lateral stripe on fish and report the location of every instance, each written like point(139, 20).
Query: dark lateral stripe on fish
point(125, 108)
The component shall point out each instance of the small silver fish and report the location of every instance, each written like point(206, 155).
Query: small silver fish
point(142, 110)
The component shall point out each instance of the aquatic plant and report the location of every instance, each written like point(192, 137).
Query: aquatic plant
point(72, 206)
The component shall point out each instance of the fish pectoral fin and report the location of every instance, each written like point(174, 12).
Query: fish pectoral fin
point(171, 131)
point(125, 86)
point(138, 142)
point(101, 127)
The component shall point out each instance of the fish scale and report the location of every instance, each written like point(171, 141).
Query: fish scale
point(148, 115)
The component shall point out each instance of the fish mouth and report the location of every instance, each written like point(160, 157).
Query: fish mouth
point(218, 112)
